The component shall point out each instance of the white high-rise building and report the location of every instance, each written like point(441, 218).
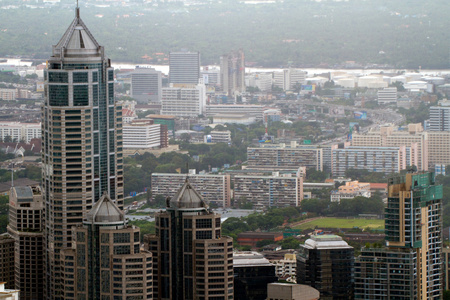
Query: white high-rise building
point(20, 131)
point(288, 78)
point(184, 67)
point(387, 95)
point(184, 100)
point(146, 85)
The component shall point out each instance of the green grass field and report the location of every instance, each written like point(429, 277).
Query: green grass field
point(342, 223)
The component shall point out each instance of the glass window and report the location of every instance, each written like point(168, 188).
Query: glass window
point(80, 95)
point(58, 77)
point(80, 77)
point(58, 95)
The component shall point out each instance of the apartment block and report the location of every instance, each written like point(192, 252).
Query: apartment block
point(388, 136)
point(440, 117)
point(26, 226)
point(269, 191)
point(286, 268)
point(184, 100)
point(20, 131)
point(215, 189)
point(144, 134)
point(13, 94)
point(263, 81)
point(387, 96)
point(282, 155)
point(210, 76)
point(375, 159)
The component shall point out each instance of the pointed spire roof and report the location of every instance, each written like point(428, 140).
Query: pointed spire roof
point(105, 211)
point(77, 40)
point(187, 198)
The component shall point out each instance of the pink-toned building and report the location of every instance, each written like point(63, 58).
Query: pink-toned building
point(351, 190)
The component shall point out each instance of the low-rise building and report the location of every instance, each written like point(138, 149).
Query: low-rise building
point(351, 190)
point(286, 268)
point(250, 238)
point(288, 291)
point(144, 134)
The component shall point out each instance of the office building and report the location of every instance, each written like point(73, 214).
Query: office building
point(144, 134)
point(374, 159)
point(252, 274)
point(105, 260)
point(81, 142)
point(184, 67)
point(184, 100)
point(214, 189)
point(440, 117)
point(26, 226)
point(285, 156)
point(387, 96)
point(7, 260)
point(191, 258)
point(289, 79)
point(288, 291)
point(351, 190)
point(232, 72)
point(411, 264)
point(269, 191)
point(262, 81)
point(325, 262)
point(17, 131)
point(146, 84)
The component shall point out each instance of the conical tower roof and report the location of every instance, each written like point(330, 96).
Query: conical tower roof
point(77, 41)
point(105, 211)
point(187, 198)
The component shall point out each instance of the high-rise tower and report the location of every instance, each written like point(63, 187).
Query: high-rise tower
point(410, 267)
point(232, 72)
point(184, 67)
point(81, 141)
point(191, 258)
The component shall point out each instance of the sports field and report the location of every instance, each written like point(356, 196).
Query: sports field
point(342, 223)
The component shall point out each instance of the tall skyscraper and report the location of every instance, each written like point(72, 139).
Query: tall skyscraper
point(105, 261)
point(81, 141)
point(191, 259)
point(26, 226)
point(146, 84)
point(232, 72)
point(410, 267)
point(184, 67)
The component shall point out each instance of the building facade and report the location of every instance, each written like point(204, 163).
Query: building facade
point(351, 190)
point(105, 260)
point(411, 264)
point(215, 189)
point(326, 262)
point(374, 159)
point(81, 141)
point(191, 258)
point(232, 72)
point(7, 260)
point(17, 131)
point(184, 67)
point(184, 100)
point(144, 134)
point(387, 96)
point(288, 79)
point(255, 111)
point(285, 156)
point(146, 85)
point(269, 191)
point(26, 226)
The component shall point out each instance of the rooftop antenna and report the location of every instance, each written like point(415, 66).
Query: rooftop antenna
point(77, 10)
